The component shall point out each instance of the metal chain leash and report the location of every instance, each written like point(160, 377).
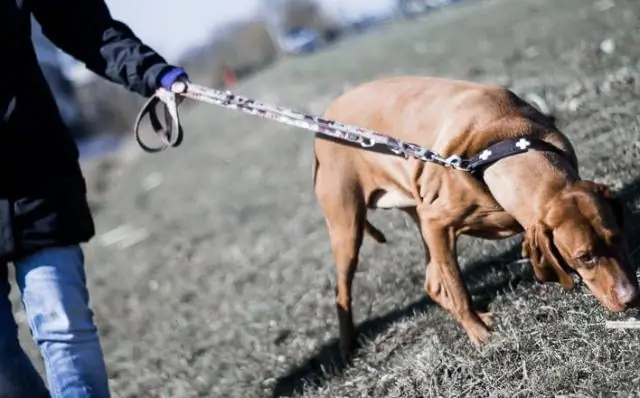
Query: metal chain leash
point(171, 135)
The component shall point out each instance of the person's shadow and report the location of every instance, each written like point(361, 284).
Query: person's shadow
point(326, 362)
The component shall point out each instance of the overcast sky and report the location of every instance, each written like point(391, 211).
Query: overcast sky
point(172, 26)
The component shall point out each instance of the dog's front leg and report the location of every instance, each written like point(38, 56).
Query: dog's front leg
point(443, 281)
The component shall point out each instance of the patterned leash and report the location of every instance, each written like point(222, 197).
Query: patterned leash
point(171, 134)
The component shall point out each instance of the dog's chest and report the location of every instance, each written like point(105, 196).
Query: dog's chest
point(392, 199)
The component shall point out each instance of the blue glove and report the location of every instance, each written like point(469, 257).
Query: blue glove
point(172, 76)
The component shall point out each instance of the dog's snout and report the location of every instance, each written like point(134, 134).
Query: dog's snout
point(626, 292)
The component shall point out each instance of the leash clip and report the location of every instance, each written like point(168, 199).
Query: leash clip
point(456, 162)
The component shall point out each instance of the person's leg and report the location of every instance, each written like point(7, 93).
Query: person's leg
point(18, 376)
point(56, 300)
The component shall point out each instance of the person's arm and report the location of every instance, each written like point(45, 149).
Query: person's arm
point(85, 30)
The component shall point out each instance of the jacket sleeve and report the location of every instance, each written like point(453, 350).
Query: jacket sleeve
point(85, 30)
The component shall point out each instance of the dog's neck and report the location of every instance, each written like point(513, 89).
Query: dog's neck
point(525, 183)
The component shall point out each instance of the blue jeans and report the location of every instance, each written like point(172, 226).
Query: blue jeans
point(56, 301)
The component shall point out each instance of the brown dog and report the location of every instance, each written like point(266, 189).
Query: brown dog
point(570, 225)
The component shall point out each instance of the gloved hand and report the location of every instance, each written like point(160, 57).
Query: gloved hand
point(174, 80)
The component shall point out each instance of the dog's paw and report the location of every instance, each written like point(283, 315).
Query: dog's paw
point(350, 344)
point(480, 336)
point(478, 330)
point(486, 318)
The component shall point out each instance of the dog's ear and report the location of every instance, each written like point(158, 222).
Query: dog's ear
point(539, 248)
point(616, 205)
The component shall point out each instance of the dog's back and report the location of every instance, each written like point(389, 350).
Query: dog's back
point(446, 115)
point(430, 110)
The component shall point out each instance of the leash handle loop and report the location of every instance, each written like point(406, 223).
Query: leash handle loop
point(171, 134)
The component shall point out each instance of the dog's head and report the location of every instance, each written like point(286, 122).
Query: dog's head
point(580, 230)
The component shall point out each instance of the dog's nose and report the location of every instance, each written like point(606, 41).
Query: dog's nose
point(626, 292)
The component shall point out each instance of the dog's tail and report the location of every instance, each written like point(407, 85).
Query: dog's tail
point(373, 232)
point(314, 168)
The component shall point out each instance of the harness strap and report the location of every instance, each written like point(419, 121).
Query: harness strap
point(507, 148)
point(477, 163)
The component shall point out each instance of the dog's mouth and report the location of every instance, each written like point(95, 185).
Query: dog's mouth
point(615, 306)
point(610, 302)
point(607, 298)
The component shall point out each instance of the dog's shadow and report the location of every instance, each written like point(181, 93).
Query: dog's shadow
point(326, 362)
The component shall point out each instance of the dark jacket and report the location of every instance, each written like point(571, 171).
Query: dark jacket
point(42, 191)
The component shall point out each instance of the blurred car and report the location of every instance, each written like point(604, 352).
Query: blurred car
point(412, 8)
point(300, 40)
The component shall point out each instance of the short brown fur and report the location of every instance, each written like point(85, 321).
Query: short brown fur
point(569, 224)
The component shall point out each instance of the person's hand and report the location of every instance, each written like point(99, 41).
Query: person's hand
point(179, 86)
point(175, 80)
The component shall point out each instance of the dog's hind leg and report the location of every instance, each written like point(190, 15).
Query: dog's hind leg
point(373, 232)
point(344, 209)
